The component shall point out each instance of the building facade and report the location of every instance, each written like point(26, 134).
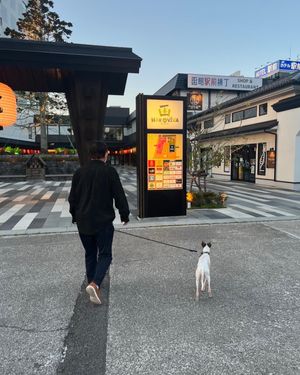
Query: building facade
point(21, 134)
point(259, 133)
point(10, 12)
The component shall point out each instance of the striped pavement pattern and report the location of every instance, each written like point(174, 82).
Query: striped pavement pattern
point(44, 205)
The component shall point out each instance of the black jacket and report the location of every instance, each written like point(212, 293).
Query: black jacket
point(93, 189)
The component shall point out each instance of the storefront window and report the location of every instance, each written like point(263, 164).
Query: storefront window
point(208, 123)
point(250, 112)
point(227, 118)
point(113, 134)
point(242, 115)
point(263, 109)
point(237, 116)
point(30, 133)
point(243, 161)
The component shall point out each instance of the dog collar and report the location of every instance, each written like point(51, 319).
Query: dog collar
point(204, 253)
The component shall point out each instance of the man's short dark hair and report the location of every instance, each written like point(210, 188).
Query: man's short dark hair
point(98, 149)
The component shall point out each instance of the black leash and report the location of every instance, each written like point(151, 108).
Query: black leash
point(159, 242)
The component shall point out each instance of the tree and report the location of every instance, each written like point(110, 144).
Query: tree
point(40, 22)
point(201, 159)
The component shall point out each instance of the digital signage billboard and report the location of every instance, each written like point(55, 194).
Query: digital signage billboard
point(161, 155)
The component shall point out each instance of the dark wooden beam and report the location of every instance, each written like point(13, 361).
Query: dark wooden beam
point(86, 97)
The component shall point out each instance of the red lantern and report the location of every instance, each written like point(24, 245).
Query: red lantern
point(8, 106)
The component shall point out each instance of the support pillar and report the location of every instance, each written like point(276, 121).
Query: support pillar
point(87, 98)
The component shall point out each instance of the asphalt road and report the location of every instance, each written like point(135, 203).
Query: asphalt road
point(149, 322)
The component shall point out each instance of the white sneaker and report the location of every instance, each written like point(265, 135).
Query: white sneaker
point(94, 292)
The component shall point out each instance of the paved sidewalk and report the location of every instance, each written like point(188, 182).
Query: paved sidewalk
point(42, 206)
point(152, 324)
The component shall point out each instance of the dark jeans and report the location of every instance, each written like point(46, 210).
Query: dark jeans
point(98, 252)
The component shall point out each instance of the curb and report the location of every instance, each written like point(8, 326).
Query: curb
point(145, 225)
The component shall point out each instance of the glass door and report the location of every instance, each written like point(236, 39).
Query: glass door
point(243, 161)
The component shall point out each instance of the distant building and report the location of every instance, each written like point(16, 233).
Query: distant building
point(278, 69)
point(119, 134)
point(60, 134)
point(10, 12)
point(21, 134)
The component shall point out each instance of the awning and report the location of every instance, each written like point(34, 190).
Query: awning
point(286, 104)
point(47, 66)
point(235, 132)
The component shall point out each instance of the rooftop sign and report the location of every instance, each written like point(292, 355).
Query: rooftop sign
point(286, 66)
point(213, 82)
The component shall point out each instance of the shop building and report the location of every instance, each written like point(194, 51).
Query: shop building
point(259, 133)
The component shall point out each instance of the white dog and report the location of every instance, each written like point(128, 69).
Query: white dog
point(203, 270)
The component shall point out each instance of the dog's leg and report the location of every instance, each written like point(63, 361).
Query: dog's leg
point(208, 286)
point(197, 286)
point(203, 280)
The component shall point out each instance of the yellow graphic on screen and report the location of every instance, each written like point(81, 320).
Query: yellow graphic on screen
point(164, 146)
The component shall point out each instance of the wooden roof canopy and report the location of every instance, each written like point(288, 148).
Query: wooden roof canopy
point(87, 74)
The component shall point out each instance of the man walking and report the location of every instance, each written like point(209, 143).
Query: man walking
point(94, 187)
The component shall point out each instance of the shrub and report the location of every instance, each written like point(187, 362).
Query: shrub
point(209, 199)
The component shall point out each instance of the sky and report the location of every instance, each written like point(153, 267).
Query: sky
point(186, 36)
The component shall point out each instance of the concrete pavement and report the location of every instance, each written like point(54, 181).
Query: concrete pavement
point(40, 281)
point(250, 326)
point(150, 323)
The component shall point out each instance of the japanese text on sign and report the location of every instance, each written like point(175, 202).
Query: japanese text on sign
point(223, 82)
